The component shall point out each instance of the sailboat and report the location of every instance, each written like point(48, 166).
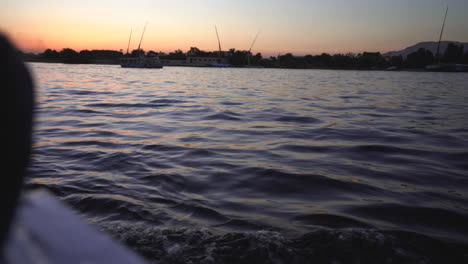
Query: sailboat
point(249, 54)
point(219, 62)
point(445, 67)
point(141, 61)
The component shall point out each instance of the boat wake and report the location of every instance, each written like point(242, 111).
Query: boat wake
point(323, 245)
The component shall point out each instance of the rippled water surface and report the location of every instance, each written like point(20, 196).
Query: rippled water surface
point(259, 165)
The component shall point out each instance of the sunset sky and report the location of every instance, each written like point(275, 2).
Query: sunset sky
point(297, 26)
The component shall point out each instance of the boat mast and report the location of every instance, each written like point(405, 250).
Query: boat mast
point(440, 37)
point(251, 45)
point(219, 43)
point(129, 39)
point(141, 39)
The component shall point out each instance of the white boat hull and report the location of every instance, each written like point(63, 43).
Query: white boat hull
point(142, 62)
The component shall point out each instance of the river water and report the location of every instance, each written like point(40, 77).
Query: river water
point(211, 165)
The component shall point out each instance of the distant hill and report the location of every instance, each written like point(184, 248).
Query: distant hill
point(429, 45)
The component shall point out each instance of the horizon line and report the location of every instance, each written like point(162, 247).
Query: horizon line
point(37, 51)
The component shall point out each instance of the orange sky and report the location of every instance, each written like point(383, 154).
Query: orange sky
point(297, 26)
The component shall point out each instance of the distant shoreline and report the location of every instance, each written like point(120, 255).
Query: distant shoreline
point(414, 61)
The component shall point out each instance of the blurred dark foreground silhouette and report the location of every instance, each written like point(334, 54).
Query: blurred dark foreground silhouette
point(17, 104)
point(35, 227)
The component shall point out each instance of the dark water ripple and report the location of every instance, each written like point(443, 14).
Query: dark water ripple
point(260, 166)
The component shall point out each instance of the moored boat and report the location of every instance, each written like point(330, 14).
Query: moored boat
point(141, 62)
point(447, 67)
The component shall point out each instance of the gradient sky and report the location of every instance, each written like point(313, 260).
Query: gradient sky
point(297, 26)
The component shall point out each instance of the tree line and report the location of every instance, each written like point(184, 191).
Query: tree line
point(68, 55)
point(369, 60)
point(366, 60)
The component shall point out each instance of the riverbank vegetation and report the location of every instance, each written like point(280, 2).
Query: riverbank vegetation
point(240, 58)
